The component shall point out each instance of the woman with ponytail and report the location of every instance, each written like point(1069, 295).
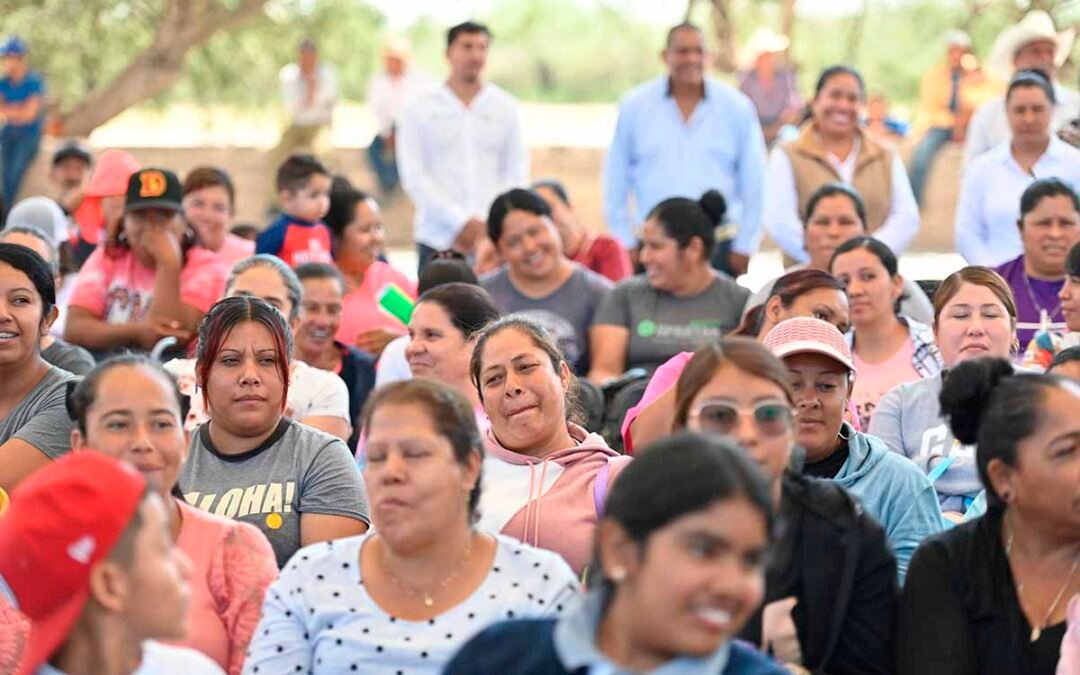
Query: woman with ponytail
point(990, 596)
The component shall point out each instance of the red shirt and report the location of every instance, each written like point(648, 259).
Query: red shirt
point(604, 255)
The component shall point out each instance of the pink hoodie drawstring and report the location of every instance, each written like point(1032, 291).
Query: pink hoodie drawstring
point(529, 504)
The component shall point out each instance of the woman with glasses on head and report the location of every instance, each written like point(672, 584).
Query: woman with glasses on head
point(830, 580)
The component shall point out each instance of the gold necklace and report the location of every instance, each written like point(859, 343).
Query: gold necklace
point(428, 596)
point(1036, 631)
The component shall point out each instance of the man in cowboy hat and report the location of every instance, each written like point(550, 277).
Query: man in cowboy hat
point(769, 85)
point(1032, 43)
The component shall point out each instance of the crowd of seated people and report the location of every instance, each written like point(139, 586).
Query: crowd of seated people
point(290, 455)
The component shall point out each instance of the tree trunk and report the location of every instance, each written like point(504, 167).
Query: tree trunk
point(723, 19)
point(184, 24)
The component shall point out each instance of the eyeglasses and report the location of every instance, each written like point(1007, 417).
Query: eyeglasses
point(771, 419)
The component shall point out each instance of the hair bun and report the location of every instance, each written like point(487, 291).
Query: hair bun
point(965, 392)
point(715, 206)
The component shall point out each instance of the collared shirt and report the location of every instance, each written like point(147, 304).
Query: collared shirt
point(989, 125)
point(657, 154)
point(989, 203)
point(294, 94)
point(575, 645)
point(454, 159)
point(926, 357)
point(784, 223)
point(389, 96)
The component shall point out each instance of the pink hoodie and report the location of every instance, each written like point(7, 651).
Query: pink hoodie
point(557, 493)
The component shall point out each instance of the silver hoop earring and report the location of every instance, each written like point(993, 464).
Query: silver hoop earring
point(841, 433)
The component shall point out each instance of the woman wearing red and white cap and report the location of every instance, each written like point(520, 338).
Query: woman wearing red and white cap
point(891, 488)
point(86, 556)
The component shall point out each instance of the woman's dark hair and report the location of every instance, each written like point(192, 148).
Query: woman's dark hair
point(83, 393)
point(988, 404)
point(451, 414)
point(293, 288)
point(343, 200)
point(839, 69)
point(556, 186)
point(36, 269)
point(880, 250)
point(683, 219)
point(320, 270)
point(749, 356)
point(208, 176)
point(833, 190)
point(543, 340)
point(1040, 190)
point(1067, 355)
point(469, 307)
point(1072, 263)
point(518, 199)
point(445, 270)
point(706, 470)
point(788, 288)
point(228, 313)
point(1031, 77)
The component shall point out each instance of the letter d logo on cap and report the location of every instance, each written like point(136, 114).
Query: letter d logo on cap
point(151, 184)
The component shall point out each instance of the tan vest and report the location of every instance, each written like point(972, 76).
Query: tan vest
point(872, 178)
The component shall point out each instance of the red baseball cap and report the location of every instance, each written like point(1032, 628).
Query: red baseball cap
point(63, 520)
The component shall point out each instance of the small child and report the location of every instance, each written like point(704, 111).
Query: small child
point(298, 235)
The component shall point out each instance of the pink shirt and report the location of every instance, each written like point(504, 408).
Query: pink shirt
point(362, 311)
point(119, 289)
point(873, 380)
point(232, 565)
point(234, 249)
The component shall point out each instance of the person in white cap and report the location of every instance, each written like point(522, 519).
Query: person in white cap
point(771, 87)
point(1033, 43)
point(388, 94)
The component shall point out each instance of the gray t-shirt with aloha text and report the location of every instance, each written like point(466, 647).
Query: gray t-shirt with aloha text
point(41, 418)
point(661, 325)
point(297, 470)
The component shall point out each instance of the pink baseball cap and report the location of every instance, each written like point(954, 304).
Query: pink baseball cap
point(111, 175)
point(807, 335)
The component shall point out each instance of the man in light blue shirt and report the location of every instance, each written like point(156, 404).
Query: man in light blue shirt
point(683, 134)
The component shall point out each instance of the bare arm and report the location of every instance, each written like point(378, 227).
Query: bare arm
point(18, 459)
point(655, 420)
point(166, 306)
point(86, 330)
point(23, 112)
point(335, 426)
point(316, 527)
point(608, 345)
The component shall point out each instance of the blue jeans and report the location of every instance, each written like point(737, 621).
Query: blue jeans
point(932, 142)
point(17, 150)
point(383, 164)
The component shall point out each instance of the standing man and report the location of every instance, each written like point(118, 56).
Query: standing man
point(1033, 43)
point(458, 147)
point(388, 93)
point(309, 90)
point(22, 93)
point(681, 135)
point(69, 174)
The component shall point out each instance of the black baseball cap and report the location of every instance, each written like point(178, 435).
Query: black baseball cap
point(153, 189)
point(69, 150)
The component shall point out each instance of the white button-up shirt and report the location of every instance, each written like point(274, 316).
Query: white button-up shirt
point(389, 96)
point(455, 159)
point(294, 93)
point(989, 204)
point(989, 125)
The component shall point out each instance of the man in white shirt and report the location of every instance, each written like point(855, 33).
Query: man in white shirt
point(1033, 43)
point(309, 90)
point(388, 94)
point(458, 147)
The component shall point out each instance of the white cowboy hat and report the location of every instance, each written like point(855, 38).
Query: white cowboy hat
point(1034, 27)
point(763, 41)
point(958, 38)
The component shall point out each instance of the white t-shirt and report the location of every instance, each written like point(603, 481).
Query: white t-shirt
point(393, 366)
point(159, 659)
point(312, 393)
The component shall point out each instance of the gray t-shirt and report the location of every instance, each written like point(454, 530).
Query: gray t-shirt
point(69, 357)
point(567, 313)
point(661, 325)
point(41, 418)
point(296, 470)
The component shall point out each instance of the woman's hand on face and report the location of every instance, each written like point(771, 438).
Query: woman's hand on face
point(375, 340)
point(163, 245)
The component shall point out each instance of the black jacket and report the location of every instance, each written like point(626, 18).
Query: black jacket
point(358, 372)
point(835, 559)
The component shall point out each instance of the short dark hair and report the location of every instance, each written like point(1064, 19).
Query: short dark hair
point(1040, 190)
point(245, 231)
point(1067, 355)
point(84, 394)
point(466, 28)
point(685, 25)
point(833, 190)
point(270, 262)
point(517, 199)
point(320, 270)
point(343, 200)
point(445, 270)
point(1031, 77)
point(706, 470)
point(295, 172)
point(209, 176)
point(839, 69)
point(788, 288)
point(36, 269)
point(1072, 263)
point(556, 186)
point(989, 404)
point(451, 414)
point(684, 219)
point(469, 307)
point(879, 248)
